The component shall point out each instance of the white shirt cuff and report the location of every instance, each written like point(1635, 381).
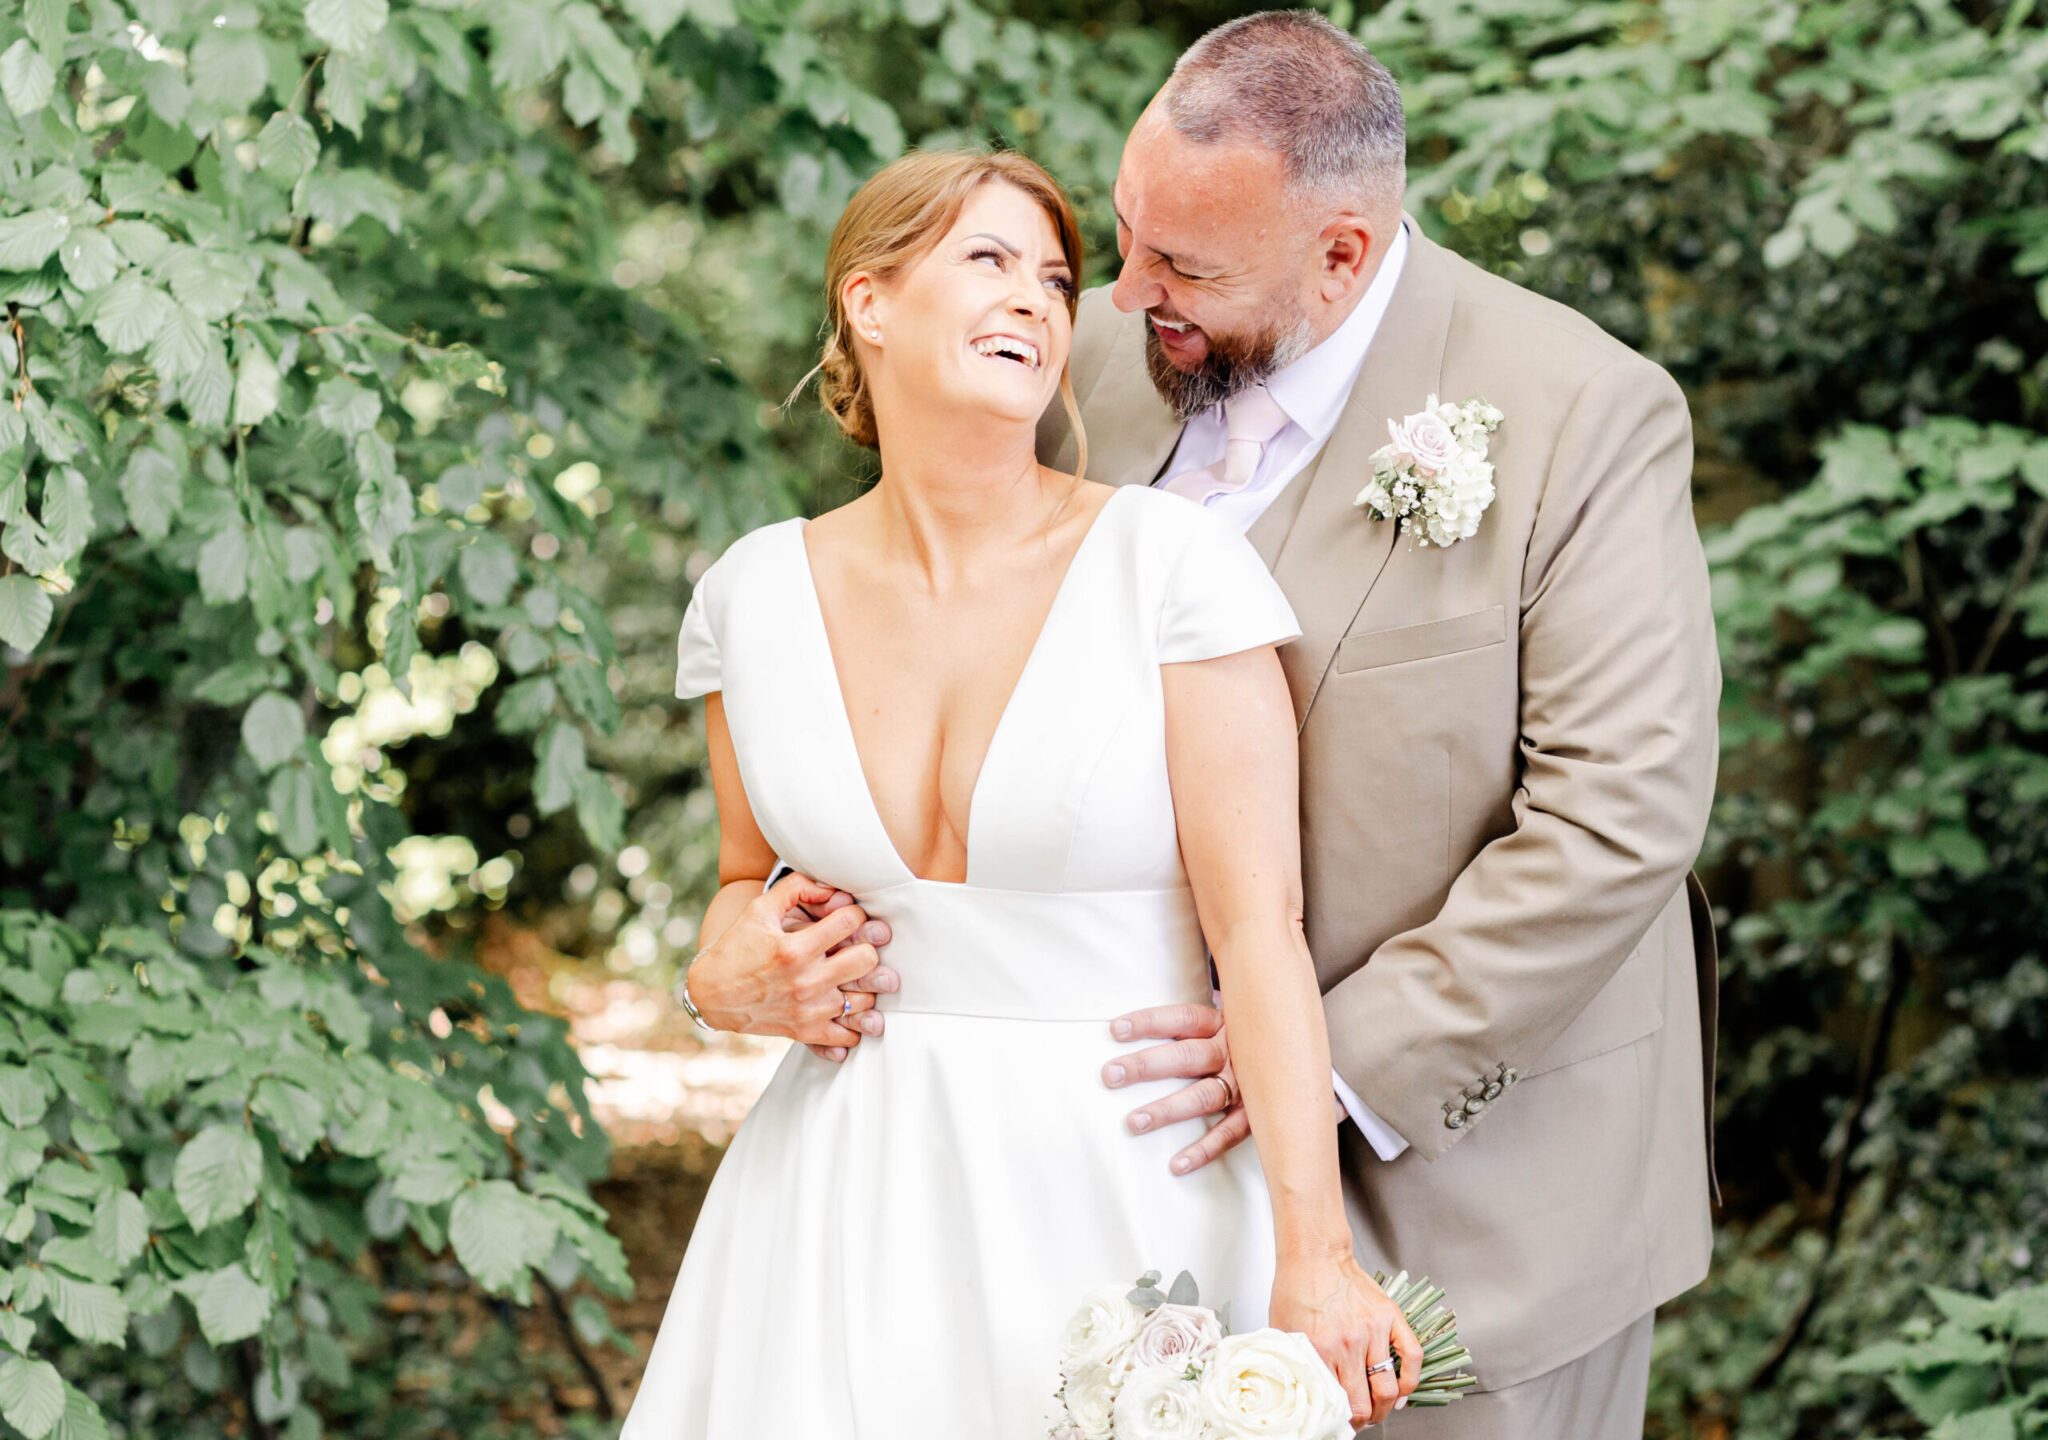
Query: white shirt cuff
point(1380, 1135)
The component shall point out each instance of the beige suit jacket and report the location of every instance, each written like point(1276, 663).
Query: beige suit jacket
point(1507, 757)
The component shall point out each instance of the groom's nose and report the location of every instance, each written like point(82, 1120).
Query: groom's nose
point(1133, 291)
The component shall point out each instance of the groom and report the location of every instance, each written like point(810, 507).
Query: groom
point(1507, 744)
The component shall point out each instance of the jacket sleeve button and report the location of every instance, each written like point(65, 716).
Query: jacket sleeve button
point(1455, 1120)
point(1493, 1090)
point(1474, 1105)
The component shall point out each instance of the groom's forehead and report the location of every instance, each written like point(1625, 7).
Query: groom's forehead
point(1183, 198)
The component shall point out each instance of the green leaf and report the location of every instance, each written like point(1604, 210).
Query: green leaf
point(24, 1095)
point(93, 1312)
point(287, 145)
point(298, 1115)
point(339, 197)
point(489, 568)
point(206, 282)
point(273, 727)
point(26, 78)
point(82, 1419)
point(348, 25)
point(25, 612)
point(226, 68)
point(67, 513)
point(31, 1396)
point(559, 767)
point(525, 705)
point(600, 811)
point(294, 804)
point(89, 257)
point(207, 390)
point(427, 1179)
point(583, 684)
point(216, 1174)
point(120, 1227)
point(26, 241)
point(257, 384)
point(656, 17)
point(224, 566)
point(130, 313)
point(181, 348)
point(499, 1232)
point(345, 407)
point(48, 24)
point(230, 1305)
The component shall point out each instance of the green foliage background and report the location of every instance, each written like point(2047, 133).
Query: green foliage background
point(380, 373)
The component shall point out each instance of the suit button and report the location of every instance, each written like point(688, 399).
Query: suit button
point(1493, 1091)
point(1511, 1077)
point(1455, 1120)
point(1474, 1105)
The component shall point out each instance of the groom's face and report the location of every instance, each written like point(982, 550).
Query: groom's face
point(1216, 258)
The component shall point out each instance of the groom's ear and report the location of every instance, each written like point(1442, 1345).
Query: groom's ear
point(1349, 250)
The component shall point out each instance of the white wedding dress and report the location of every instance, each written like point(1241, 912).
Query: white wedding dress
point(892, 1245)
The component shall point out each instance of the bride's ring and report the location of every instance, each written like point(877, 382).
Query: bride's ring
point(1381, 1368)
point(846, 1007)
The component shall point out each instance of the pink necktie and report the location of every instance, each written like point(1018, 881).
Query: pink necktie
point(1251, 419)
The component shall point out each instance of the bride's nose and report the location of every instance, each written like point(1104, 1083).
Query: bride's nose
point(1028, 297)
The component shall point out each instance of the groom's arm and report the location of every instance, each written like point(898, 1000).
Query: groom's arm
point(1619, 686)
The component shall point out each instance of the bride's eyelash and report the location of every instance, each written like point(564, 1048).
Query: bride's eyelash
point(1064, 283)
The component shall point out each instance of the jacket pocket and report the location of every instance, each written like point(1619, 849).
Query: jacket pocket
point(1422, 642)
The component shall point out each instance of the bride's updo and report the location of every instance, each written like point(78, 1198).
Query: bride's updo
point(890, 222)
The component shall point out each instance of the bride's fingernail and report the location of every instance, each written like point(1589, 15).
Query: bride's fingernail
point(1141, 1121)
point(1182, 1165)
point(1114, 1075)
point(1120, 1028)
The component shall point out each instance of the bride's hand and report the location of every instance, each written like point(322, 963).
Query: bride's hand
point(1353, 1326)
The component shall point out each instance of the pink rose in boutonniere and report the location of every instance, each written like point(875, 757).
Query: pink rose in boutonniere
point(1433, 477)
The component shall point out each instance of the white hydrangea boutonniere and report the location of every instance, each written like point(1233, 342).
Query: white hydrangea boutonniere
point(1433, 479)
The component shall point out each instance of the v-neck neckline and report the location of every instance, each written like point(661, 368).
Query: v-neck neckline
point(822, 635)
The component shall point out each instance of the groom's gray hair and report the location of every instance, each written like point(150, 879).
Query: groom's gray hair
point(1292, 82)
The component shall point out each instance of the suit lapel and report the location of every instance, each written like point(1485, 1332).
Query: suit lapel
point(1332, 553)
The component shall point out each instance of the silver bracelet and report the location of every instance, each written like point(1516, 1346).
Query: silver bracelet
point(690, 1006)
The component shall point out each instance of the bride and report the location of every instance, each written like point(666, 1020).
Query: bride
point(1037, 725)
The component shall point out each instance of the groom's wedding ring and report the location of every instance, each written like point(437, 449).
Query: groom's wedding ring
point(1381, 1368)
point(1229, 1091)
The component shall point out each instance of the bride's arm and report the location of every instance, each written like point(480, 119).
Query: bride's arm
point(752, 972)
point(1232, 760)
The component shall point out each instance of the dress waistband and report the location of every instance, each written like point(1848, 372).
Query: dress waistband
point(1027, 955)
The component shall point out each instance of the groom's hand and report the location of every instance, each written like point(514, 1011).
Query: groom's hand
point(1196, 1050)
point(799, 961)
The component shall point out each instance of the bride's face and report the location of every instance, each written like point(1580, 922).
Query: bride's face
point(979, 322)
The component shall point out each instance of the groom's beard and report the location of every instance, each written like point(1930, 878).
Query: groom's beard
point(1234, 364)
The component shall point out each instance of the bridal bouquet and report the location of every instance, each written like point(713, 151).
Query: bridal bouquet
point(1143, 1364)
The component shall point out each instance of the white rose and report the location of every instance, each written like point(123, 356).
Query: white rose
point(1159, 1402)
point(1091, 1400)
point(1271, 1384)
point(1175, 1334)
point(1427, 439)
point(1100, 1329)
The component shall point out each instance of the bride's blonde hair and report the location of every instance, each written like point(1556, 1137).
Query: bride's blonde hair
point(891, 222)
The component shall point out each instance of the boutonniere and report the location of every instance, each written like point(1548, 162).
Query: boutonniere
point(1434, 477)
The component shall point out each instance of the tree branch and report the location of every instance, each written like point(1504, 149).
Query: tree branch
point(1877, 1040)
point(2022, 572)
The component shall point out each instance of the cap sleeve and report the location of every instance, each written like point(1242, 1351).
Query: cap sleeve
point(1220, 597)
point(697, 658)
